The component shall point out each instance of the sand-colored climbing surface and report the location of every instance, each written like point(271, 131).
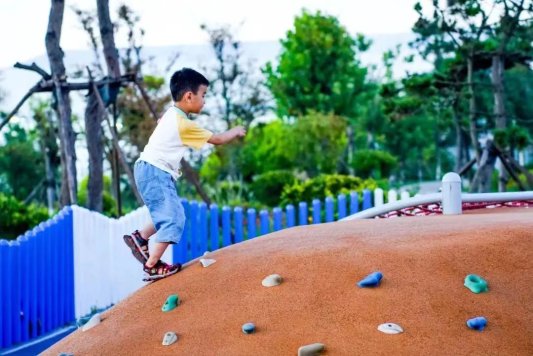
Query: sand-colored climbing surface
point(424, 261)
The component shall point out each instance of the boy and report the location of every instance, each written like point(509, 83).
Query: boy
point(157, 170)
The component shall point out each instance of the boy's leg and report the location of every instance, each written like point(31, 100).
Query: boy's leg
point(157, 251)
point(137, 241)
point(147, 231)
point(158, 191)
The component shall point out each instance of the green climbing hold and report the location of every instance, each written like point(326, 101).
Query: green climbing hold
point(172, 302)
point(476, 284)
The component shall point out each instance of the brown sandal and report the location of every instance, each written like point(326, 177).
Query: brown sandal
point(138, 246)
point(160, 270)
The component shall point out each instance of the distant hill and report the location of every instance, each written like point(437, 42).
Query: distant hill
point(16, 82)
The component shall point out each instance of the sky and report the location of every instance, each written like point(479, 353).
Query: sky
point(23, 23)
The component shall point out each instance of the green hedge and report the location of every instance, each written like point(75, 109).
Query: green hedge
point(323, 186)
point(268, 187)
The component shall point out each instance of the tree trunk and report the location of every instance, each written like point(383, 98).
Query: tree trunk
point(108, 40)
point(116, 146)
point(66, 132)
point(48, 166)
point(95, 148)
point(459, 137)
point(64, 195)
point(482, 180)
point(94, 114)
point(472, 107)
point(499, 109)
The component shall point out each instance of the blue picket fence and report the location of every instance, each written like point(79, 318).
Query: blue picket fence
point(37, 281)
point(211, 228)
point(37, 270)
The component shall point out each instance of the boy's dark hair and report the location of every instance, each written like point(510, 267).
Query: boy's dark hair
point(184, 80)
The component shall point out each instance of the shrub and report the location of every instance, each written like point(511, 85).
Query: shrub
point(229, 192)
point(323, 186)
point(17, 217)
point(267, 187)
point(108, 202)
point(373, 163)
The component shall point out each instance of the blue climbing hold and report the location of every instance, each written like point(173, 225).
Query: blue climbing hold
point(248, 328)
point(478, 323)
point(372, 280)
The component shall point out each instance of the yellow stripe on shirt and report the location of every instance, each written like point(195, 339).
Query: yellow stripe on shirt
point(191, 134)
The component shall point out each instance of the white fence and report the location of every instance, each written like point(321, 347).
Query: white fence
point(105, 271)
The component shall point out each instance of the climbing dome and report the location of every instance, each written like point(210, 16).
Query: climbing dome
point(423, 262)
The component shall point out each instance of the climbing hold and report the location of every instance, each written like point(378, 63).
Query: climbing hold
point(248, 328)
point(478, 323)
point(169, 338)
point(65, 354)
point(372, 280)
point(95, 320)
point(206, 262)
point(476, 284)
point(272, 280)
point(390, 328)
point(311, 349)
point(172, 302)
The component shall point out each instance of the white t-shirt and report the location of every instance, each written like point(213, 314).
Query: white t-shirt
point(172, 136)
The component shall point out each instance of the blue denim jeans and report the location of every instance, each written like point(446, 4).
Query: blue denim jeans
point(158, 191)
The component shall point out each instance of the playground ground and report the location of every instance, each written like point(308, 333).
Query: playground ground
point(424, 261)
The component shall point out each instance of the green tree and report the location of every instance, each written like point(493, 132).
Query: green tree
point(265, 149)
point(18, 217)
point(21, 163)
point(318, 69)
point(316, 143)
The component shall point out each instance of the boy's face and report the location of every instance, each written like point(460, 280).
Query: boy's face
point(195, 102)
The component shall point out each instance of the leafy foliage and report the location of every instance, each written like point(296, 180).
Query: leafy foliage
point(267, 188)
point(17, 217)
point(21, 163)
point(110, 208)
point(374, 163)
point(265, 149)
point(323, 186)
point(317, 69)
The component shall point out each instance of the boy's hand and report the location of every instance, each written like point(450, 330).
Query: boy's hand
point(239, 131)
point(228, 136)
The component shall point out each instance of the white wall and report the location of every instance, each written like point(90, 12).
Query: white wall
point(105, 271)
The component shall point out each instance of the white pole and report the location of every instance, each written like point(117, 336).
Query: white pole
point(451, 194)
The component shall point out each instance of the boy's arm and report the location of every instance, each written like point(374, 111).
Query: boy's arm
point(228, 136)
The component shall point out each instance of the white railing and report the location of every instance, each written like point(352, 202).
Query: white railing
point(450, 198)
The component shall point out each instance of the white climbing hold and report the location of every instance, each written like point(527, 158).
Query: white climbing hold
point(169, 338)
point(311, 349)
point(390, 328)
point(206, 253)
point(272, 280)
point(206, 262)
point(95, 320)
